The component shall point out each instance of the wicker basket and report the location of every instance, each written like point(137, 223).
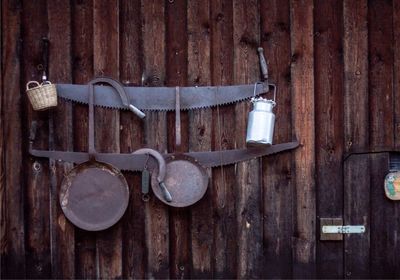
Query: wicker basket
point(42, 96)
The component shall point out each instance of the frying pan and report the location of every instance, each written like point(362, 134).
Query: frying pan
point(94, 195)
point(186, 179)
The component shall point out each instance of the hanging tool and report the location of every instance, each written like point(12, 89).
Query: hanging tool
point(178, 137)
point(162, 98)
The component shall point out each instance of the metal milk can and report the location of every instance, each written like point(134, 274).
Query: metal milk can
point(261, 122)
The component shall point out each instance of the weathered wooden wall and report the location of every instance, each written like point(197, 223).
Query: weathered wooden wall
point(337, 67)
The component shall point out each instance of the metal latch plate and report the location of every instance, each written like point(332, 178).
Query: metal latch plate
point(333, 229)
point(343, 229)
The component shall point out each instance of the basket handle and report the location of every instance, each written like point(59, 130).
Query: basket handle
point(30, 83)
point(46, 83)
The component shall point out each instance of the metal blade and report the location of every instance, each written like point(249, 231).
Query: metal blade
point(134, 162)
point(225, 157)
point(162, 98)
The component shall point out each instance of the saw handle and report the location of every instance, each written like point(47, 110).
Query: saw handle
point(263, 63)
point(165, 192)
point(122, 93)
point(136, 111)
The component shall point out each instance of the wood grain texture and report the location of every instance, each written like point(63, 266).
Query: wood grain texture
point(349, 49)
point(328, 54)
point(277, 170)
point(356, 134)
point(3, 209)
point(200, 135)
point(13, 264)
point(131, 67)
point(396, 91)
point(380, 48)
point(154, 69)
point(355, 57)
point(356, 206)
point(396, 70)
point(384, 223)
point(60, 138)
point(248, 184)
point(176, 75)
point(303, 121)
point(224, 249)
point(36, 171)
point(107, 125)
point(82, 67)
point(383, 211)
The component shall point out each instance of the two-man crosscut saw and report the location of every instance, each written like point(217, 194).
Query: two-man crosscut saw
point(135, 162)
point(163, 98)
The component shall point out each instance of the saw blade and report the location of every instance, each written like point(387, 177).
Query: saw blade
point(163, 98)
point(136, 162)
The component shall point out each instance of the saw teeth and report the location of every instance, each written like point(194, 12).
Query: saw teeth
point(161, 110)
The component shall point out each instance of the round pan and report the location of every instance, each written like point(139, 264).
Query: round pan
point(186, 179)
point(94, 195)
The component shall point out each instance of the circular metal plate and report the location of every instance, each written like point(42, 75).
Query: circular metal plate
point(185, 179)
point(94, 196)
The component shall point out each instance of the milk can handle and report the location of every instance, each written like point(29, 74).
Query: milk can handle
point(271, 85)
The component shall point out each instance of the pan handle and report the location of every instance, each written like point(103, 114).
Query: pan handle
point(161, 170)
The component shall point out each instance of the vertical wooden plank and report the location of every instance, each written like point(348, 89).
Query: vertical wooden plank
point(396, 71)
point(276, 170)
point(157, 228)
point(61, 138)
point(200, 135)
point(36, 173)
point(356, 206)
point(303, 121)
point(380, 55)
point(383, 226)
point(384, 223)
point(107, 125)
point(3, 209)
point(396, 91)
point(176, 67)
point(13, 233)
point(224, 249)
point(329, 131)
point(248, 190)
point(356, 192)
point(134, 247)
point(82, 49)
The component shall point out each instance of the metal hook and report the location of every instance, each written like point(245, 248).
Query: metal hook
point(45, 58)
point(147, 160)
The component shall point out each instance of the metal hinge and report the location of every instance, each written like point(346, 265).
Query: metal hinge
point(343, 229)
